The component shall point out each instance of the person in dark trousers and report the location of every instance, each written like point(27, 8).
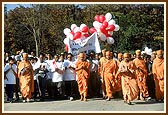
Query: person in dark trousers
point(150, 80)
point(10, 71)
point(40, 73)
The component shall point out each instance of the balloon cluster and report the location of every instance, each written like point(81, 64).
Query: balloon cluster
point(75, 33)
point(103, 25)
point(147, 51)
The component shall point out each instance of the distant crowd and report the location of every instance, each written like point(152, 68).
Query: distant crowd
point(107, 74)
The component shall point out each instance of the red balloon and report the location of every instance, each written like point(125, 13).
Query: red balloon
point(96, 18)
point(102, 18)
point(104, 31)
point(102, 28)
point(108, 35)
point(85, 29)
point(105, 24)
point(77, 35)
point(66, 48)
point(111, 27)
point(86, 35)
point(72, 32)
point(92, 30)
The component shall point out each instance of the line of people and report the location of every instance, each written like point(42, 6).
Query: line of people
point(93, 75)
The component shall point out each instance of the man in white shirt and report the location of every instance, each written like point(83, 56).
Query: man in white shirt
point(57, 70)
point(33, 61)
point(10, 72)
point(40, 72)
point(49, 62)
point(70, 78)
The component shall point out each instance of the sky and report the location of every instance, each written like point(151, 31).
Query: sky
point(13, 6)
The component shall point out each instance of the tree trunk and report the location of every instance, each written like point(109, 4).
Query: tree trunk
point(35, 39)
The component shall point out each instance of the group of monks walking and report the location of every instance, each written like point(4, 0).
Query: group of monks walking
point(126, 76)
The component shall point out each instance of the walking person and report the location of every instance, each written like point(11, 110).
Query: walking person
point(110, 69)
point(10, 71)
point(93, 79)
point(158, 73)
point(26, 77)
point(118, 87)
point(82, 71)
point(69, 78)
point(141, 74)
point(57, 70)
point(129, 84)
point(49, 75)
point(40, 72)
point(17, 87)
point(150, 79)
point(102, 61)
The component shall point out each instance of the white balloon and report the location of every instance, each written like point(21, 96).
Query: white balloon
point(143, 52)
point(82, 25)
point(66, 31)
point(110, 40)
point(70, 36)
point(102, 37)
point(73, 26)
point(108, 16)
point(98, 32)
point(66, 41)
point(117, 27)
point(149, 51)
point(110, 32)
point(111, 22)
point(76, 29)
point(96, 24)
point(146, 49)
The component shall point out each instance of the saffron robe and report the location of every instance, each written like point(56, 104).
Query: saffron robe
point(26, 77)
point(158, 72)
point(83, 73)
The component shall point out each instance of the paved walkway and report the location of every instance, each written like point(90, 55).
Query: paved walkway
point(96, 105)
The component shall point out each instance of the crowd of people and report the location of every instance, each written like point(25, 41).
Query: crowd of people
point(108, 75)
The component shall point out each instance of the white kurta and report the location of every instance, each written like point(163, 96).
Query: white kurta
point(11, 79)
point(56, 77)
point(69, 73)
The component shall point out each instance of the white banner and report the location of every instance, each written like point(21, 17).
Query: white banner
point(84, 45)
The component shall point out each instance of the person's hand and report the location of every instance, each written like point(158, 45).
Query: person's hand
point(116, 76)
point(69, 66)
point(6, 78)
point(10, 66)
point(56, 69)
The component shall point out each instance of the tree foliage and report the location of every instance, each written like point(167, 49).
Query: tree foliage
point(42, 25)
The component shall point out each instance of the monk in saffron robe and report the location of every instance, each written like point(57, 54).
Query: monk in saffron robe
point(129, 84)
point(158, 72)
point(26, 77)
point(109, 69)
point(102, 61)
point(118, 87)
point(82, 71)
point(141, 74)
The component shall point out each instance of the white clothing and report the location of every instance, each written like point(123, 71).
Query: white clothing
point(49, 73)
point(11, 79)
point(69, 73)
point(38, 64)
point(33, 65)
point(57, 77)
